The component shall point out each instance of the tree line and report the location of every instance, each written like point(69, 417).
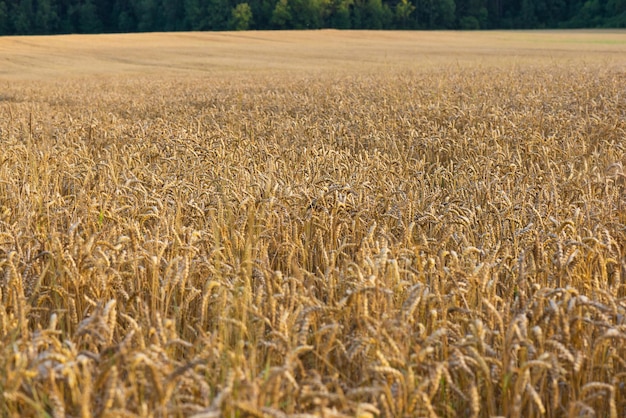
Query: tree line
point(21, 17)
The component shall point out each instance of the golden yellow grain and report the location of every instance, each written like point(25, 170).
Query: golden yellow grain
point(413, 226)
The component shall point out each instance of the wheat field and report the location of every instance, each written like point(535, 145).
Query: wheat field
point(313, 224)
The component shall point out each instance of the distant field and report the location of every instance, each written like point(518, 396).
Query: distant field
point(324, 223)
point(223, 53)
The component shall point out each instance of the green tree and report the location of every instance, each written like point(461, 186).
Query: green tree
point(4, 19)
point(262, 10)
point(527, 16)
point(126, 22)
point(548, 13)
point(307, 14)
point(589, 15)
point(88, 21)
point(281, 17)
point(476, 9)
point(446, 10)
point(241, 17)
point(147, 15)
point(219, 14)
point(173, 15)
point(21, 17)
point(339, 14)
point(94, 16)
point(616, 13)
point(195, 14)
point(371, 14)
point(495, 10)
point(616, 7)
point(46, 19)
point(469, 23)
point(436, 14)
point(403, 12)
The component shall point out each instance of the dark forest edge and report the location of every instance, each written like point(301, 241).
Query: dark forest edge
point(42, 17)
